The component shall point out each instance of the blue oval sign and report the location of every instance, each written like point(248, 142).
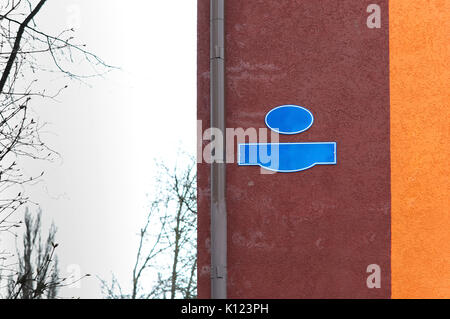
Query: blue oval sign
point(289, 119)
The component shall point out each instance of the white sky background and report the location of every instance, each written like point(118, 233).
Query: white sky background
point(109, 134)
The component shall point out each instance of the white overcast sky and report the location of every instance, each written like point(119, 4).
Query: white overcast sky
point(109, 134)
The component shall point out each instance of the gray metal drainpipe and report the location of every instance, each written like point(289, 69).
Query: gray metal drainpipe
point(218, 169)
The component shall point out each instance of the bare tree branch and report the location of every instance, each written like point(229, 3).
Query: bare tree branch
point(16, 46)
point(27, 54)
point(167, 242)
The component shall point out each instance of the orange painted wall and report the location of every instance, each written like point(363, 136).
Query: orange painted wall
point(420, 147)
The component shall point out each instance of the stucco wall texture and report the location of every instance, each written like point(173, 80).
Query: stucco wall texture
point(420, 148)
point(382, 95)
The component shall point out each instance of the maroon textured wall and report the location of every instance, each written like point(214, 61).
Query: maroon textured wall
point(309, 234)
